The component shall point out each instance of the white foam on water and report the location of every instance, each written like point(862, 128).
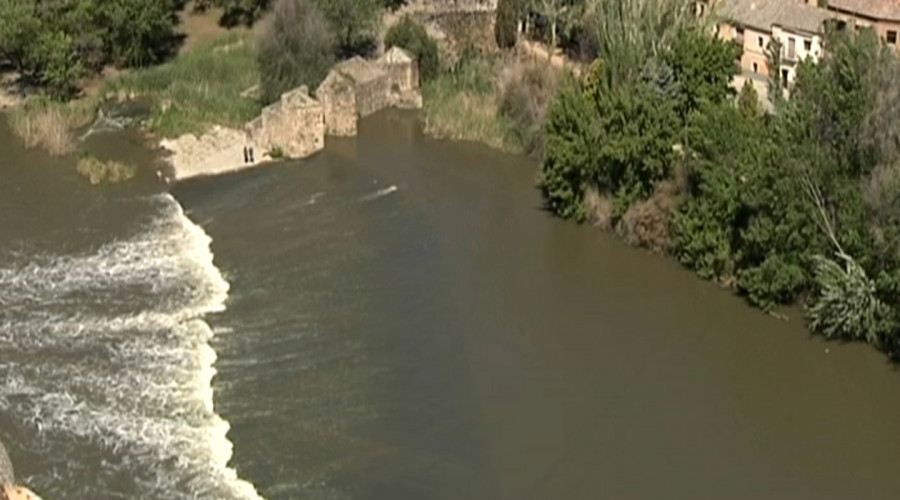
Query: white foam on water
point(110, 350)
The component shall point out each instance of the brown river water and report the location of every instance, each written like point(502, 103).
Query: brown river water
point(397, 318)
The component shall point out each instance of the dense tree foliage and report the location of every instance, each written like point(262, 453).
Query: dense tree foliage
point(506, 25)
point(799, 204)
point(295, 47)
point(412, 36)
point(354, 23)
point(56, 42)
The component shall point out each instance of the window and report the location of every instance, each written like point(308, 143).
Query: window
point(755, 68)
point(807, 45)
point(759, 40)
point(784, 77)
point(892, 37)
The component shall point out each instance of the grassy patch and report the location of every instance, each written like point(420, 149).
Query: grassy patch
point(47, 124)
point(200, 88)
point(463, 104)
point(98, 171)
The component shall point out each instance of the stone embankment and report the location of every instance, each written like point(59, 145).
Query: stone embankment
point(296, 125)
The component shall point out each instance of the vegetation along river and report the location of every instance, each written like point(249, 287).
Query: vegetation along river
point(397, 318)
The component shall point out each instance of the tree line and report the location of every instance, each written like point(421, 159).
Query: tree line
point(800, 204)
point(56, 43)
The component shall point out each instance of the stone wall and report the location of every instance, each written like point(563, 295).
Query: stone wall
point(449, 6)
point(295, 125)
point(403, 78)
point(370, 81)
point(338, 97)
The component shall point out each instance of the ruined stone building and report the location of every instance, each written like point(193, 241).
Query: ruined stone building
point(403, 77)
point(357, 88)
point(337, 93)
point(295, 125)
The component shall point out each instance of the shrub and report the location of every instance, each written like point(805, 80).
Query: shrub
point(526, 92)
point(461, 104)
point(648, 223)
point(98, 171)
point(506, 26)
point(847, 306)
point(354, 23)
point(412, 36)
point(296, 47)
point(43, 124)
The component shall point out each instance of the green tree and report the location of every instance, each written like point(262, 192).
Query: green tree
point(625, 34)
point(572, 138)
point(296, 47)
point(393, 4)
point(140, 31)
point(56, 61)
point(622, 146)
point(353, 22)
point(703, 66)
point(412, 36)
point(239, 11)
point(727, 147)
point(19, 26)
point(748, 101)
point(506, 25)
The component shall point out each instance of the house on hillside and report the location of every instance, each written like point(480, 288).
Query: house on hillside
point(881, 15)
point(754, 24)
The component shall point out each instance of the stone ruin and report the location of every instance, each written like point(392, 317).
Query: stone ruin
point(296, 125)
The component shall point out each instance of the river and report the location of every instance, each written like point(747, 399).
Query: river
point(397, 318)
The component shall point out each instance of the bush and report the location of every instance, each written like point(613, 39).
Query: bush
point(354, 23)
point(506, 26)
point(59, 42)
point(461, 104)
point(412, 36)
point(649, 223)
point(526, 92)
point(848, 306)
point(296, 47)
point(238, 11)
point(43, 124)
point(97, 171)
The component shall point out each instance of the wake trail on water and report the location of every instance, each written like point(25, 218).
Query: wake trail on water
point(105, 361)
point(379, 194)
